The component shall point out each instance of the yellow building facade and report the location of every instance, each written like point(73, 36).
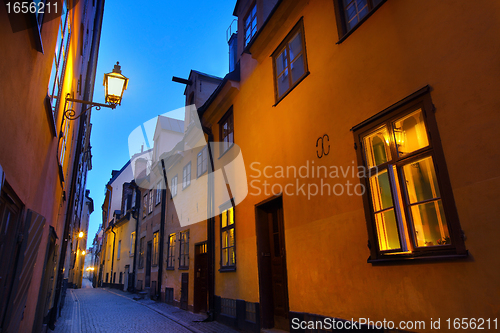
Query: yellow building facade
point(367, 138)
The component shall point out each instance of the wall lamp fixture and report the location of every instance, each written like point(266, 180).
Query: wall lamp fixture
point(115, 83)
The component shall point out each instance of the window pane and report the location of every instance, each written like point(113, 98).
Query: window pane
point(430, 224)
point(224, 219)
point(283, 83)
point(295, 46)
point(410, 133)
point(232, 256)
point(381, 191)
point(281, 62)
point(421, 182)
point(230, 239)
point(388, 237)
point(230, 216)
point(224, 257)
point(297, 68)
point(376, 146)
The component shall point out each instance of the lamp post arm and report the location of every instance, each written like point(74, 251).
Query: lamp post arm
point(112, 106)
point(71, 113)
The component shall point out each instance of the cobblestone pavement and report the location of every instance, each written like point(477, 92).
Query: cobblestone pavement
point(107, 311)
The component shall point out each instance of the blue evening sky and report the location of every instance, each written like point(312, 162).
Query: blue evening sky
point(153, 41)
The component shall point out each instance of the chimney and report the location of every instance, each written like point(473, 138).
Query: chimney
point(142, 148)
point(233, 46)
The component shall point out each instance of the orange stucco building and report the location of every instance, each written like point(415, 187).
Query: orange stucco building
point(44, 157)
point(367, 129)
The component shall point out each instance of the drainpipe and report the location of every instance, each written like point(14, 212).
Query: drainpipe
point(210, 230)
point(162, 238)
point(162, 228)
point(113, 253)
point(135, 215)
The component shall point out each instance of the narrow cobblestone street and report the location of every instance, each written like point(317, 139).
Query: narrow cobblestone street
point(103, 310)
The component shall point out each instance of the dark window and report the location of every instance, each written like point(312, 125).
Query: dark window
point(250, 24)
point(228, 248)
point(158, 193)
point(409, 203)
point(173, 187)
point(290, 61)
point(201, 162)
point(171, 252)
point(350, 13)
point(186, 175)
point(228, 307)
point(226, 131)
point(141, 252)
point(145, 206)
point(184, 249)
point(154, 258)
point(151, 205)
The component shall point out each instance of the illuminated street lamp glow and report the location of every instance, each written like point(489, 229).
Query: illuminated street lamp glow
point(115, 84)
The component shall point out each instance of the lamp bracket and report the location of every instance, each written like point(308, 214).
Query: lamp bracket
point(71, 113)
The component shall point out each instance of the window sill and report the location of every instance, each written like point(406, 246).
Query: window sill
point(183, 268)
point(185, 187)
point(399, 259)
point(170, 268)
point(292, 88)
point(227, 269)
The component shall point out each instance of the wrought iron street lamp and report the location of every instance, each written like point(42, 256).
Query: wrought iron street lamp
point(115, 83)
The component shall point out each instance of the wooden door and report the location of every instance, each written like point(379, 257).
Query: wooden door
point(200, 278)
point(272, 264)
point(184, 290)
point(278, 266)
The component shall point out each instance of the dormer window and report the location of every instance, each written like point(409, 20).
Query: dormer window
point(251, 24)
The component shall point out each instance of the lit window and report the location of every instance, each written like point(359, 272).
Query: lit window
point(154, 259)
point(290, 63)
point(226, 131)
point(228, 253)
point(201, 162)
point(173, 188)
point(60, 57)
point(184, 249)
point(410, 202)
point(63, 143)
point(171, 252)
point(132, 244)
point(186, 175)
point(251, 24)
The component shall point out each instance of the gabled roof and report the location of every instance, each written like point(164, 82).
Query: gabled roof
point(202, 75)
point(170, 124)
point(115, 174)
point(231, 76)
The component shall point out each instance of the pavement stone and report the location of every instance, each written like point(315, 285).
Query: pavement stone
point(102, 310)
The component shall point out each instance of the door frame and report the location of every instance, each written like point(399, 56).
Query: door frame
point(264, 260)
